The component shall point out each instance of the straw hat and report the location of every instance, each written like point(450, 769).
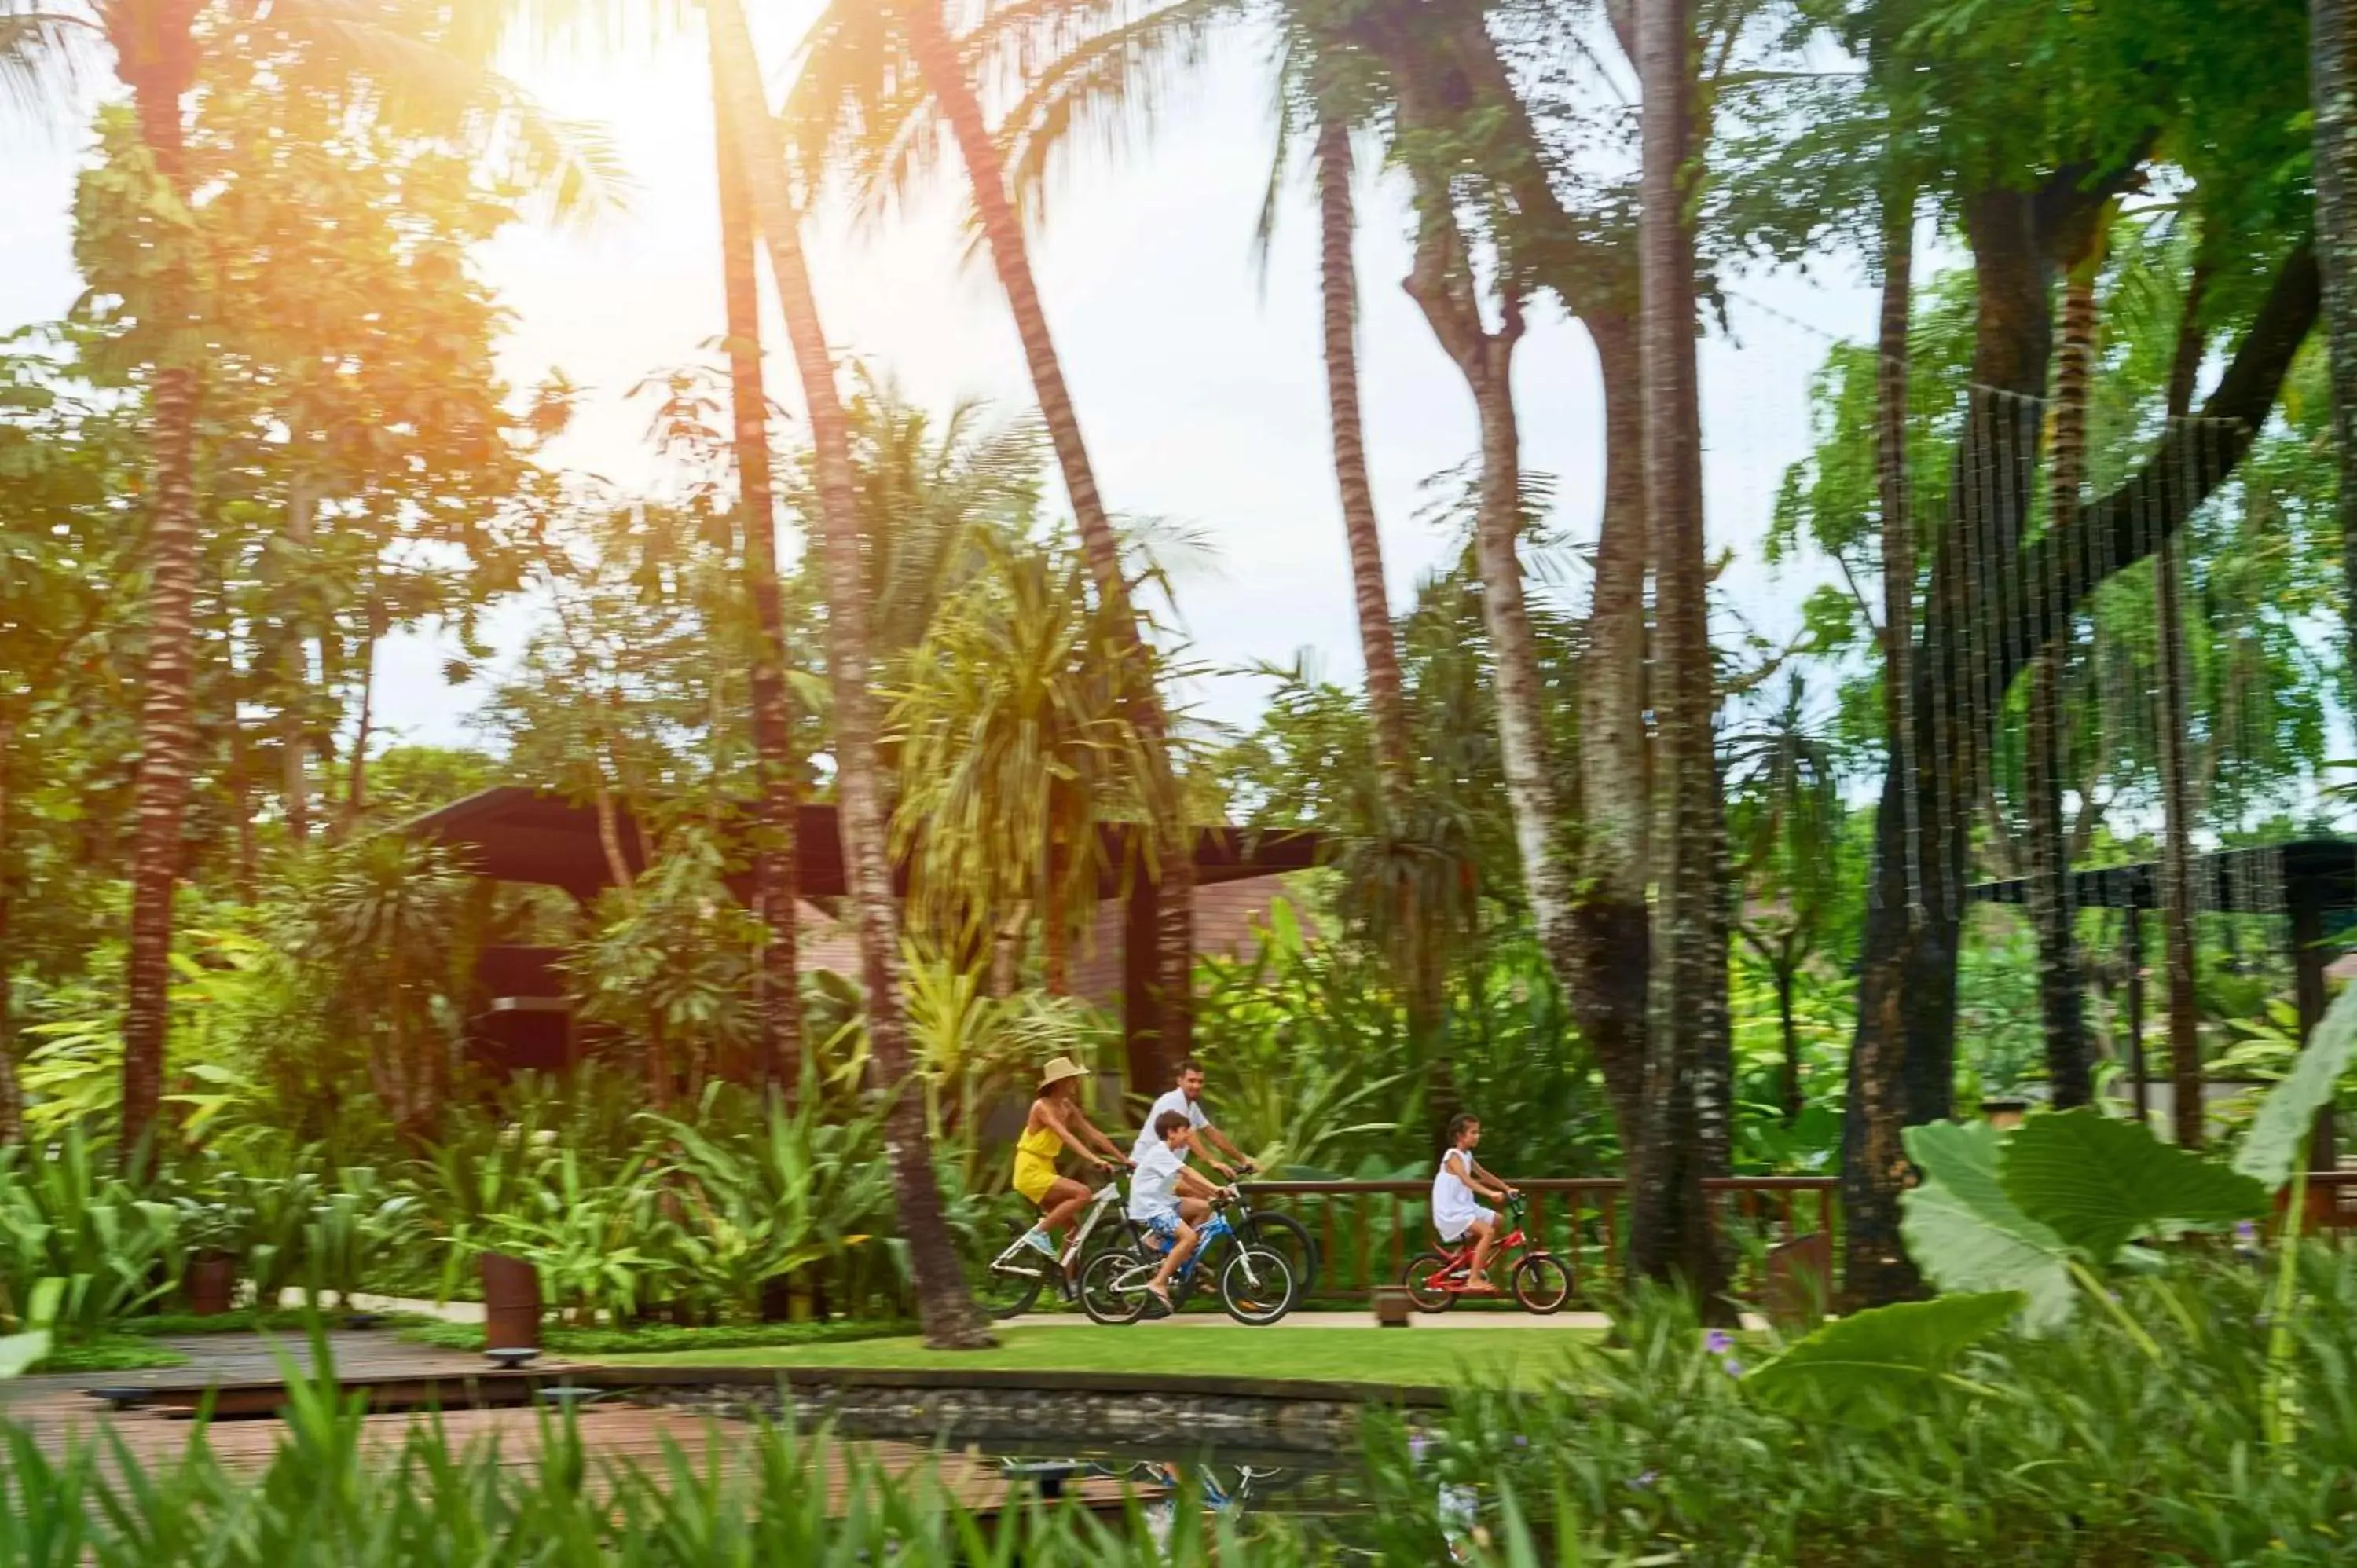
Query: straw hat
point(1057, 1069)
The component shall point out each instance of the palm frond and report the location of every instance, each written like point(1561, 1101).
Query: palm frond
point(44, 58)
point(441, 83)
point(1109, 88)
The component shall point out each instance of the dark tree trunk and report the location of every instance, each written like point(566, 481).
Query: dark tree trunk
point(1902, 1064)
point(775, 889)
point(945, 1305)
point(157, 56)
point(2052, 910)
point(2183, 1009)
point(2331, 86)
point(936, 56)
point(1671, 1237)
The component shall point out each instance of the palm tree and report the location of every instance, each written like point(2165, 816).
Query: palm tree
point(1339, 294)
point(1670, 1229)
point(774, 884)
point(156, 54)
point(1013, 753)
point(945, 1305)
point(845, 73)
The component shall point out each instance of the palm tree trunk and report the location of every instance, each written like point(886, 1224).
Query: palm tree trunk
point(167, 728)
point(944, 1305)
point(2176, 793)
point(1671, 1237)
point(937, 58)
point(2060, 989)
point(1611, 916)
point(1378, 644)
point(775, 888)
point(2331, 86)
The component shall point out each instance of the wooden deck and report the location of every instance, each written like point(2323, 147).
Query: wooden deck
point(62, 1416)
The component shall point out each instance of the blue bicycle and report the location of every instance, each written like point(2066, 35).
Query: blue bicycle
point(1256, 1283)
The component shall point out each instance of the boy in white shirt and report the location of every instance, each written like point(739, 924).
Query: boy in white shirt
point(1166, 1199)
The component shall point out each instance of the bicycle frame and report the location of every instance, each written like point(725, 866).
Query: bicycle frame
point(1101, 1202)
point(1219, 1226)
point(1457, 1273)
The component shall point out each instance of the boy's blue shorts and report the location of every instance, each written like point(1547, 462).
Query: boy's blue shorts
point(1163, 1228)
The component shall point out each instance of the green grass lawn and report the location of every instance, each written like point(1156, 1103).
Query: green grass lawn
point(1433, 1356)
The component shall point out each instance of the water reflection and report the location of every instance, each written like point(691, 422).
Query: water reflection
point(1325, 1495)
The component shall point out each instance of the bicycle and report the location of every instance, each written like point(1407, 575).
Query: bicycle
point(1285, 1236)
point(1541, 1282)
point(1017, 1276)
point(1255, 1285)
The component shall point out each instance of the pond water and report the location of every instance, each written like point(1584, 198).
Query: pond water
point(1322, 1496)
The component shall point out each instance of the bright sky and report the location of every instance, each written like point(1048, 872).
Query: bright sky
point(1201, 389)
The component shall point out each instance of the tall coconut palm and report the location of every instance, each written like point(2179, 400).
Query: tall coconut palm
point(945, 1306)
point(156, 48)
point(919, 31)
point(155, 58)
point(775, 891)
point(1670, 1229)
point(1338, 275)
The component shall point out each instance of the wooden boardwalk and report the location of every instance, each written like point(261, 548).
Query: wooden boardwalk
point(60, 1414)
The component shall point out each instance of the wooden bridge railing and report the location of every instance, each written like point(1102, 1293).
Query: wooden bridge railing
point(1367, 1230)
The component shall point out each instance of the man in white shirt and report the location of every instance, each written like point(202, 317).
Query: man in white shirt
point(1187, 1101)
point(1166, 1199)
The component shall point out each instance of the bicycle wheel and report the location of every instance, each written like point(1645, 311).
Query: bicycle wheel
point(1542, 1284)
point(1422, 1283)
point(1108, 1294)
point(1256, 1287)
point(1010, 1285)
point(1282, 1234)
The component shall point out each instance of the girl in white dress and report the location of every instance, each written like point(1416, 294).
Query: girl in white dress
point(1456, 1212)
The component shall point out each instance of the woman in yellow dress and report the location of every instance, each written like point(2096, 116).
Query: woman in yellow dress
point(1056, 1119)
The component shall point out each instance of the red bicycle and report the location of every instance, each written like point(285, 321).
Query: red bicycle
point(1540, 1282)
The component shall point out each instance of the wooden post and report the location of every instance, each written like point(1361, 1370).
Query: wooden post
point(2308, 963)
point(2132, 952)
point(1141, 985)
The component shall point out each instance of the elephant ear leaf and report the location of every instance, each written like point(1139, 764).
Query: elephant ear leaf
point(1871, 1369)
point(2099, 1184)
point(1968, 1235)
point(2289, 1109)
